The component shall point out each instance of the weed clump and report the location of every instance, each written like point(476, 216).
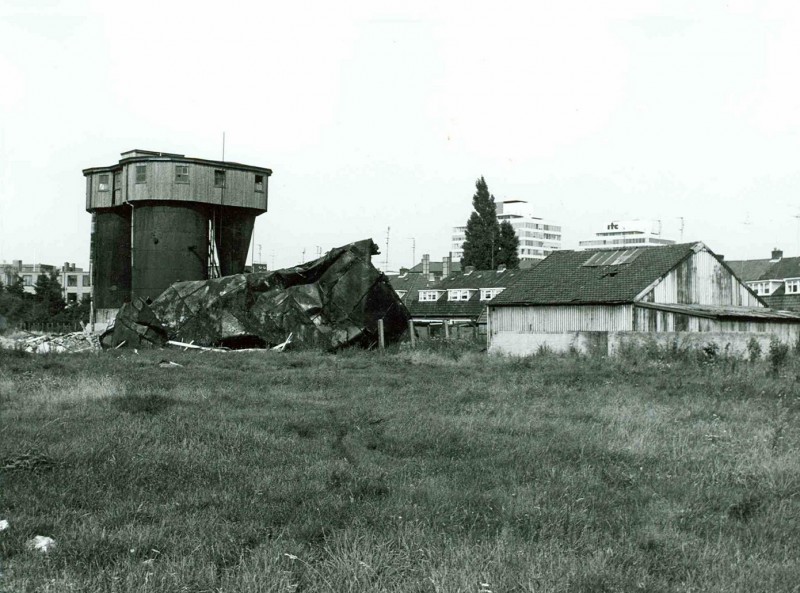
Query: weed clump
point(753, 350)
point(777, 355)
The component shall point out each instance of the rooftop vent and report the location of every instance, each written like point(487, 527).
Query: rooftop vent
point(777, 255)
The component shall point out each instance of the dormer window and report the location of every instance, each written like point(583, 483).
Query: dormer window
point(459, 294)
point(429, 296)
point(487, 294)
point(767, 287)
point(792, 285)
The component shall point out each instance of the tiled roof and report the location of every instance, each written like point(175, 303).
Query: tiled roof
point(474, 306)
point(562, 277)
point(436, 267)
point(764, 269)
point(480, 279)
point(411, 283)
point(749, 270)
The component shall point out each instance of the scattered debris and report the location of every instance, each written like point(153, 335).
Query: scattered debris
point(167, 364)
point(42, 543)
point(282, 346)
point(36, 343)
point(4, 524)
point(194, 346)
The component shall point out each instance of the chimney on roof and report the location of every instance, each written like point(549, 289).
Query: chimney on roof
point(426, 264)
point(777, 254)
point(501, 268)
point(445, 266)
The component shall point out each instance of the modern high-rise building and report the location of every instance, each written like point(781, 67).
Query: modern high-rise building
point(538, 237)
point(625, 234)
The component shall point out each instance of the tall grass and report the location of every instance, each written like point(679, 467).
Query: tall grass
point(438, 469)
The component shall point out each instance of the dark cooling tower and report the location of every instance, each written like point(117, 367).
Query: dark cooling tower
point(111, 244)
point(153, 211)
point(234, 228)
point(170, 244)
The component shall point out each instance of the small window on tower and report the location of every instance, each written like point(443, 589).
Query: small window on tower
point(219, 178)
point(260, 183)
point(181, 173)
point(141, 173)
point(102, 182)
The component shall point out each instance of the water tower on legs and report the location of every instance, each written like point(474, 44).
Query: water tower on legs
point(159, 218)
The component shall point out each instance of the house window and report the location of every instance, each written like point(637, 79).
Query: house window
point(793, 286)
point(428, 296)
point(260, 183)
point(27, 280)
point(102, 182)
point(72, 280)
point(87, 280)
point(181, 173)
point(487, 294)
point(458, 295)
point(219, 178)
point(141, 173)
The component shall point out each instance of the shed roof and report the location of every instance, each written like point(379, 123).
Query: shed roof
point(725, 311)
point(583, 277)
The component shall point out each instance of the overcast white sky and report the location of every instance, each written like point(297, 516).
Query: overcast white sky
point(382, 114)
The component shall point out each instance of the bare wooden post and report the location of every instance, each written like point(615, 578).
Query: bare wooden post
point(411, 333)
point(381, 341)
point(446, 330)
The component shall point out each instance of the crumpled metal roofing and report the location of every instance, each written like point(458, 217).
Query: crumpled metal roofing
point(332, 302)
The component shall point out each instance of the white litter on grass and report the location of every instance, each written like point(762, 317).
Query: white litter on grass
point(4, 524)
point(41, 543)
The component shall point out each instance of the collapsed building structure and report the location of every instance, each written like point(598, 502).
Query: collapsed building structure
point(330, 303)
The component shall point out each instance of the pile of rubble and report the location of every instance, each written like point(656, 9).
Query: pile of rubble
point(81, 341)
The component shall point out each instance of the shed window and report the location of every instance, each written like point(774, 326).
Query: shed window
point(219, 178)
point(181, 173)
point(260, 183)
point(141, 173)
point(102, 182)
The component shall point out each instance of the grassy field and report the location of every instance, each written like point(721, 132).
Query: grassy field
point(434, 470)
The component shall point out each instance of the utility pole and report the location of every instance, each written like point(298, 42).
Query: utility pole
point(386, 260)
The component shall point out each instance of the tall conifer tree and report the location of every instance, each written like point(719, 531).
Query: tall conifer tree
point(482, 241)
point(509, 246)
